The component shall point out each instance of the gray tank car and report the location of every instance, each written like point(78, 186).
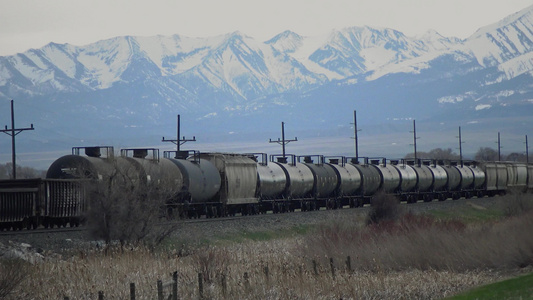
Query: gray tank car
point(99, 163)
point(408, 180)
point(349, 177)
point(390, 178)
point(271, 179)
point(370, 179)
point(425, 180)
point(325, 177)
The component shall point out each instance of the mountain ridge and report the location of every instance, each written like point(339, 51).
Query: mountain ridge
point(234, 83)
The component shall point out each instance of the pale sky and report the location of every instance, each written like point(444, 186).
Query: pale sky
point(26, 24)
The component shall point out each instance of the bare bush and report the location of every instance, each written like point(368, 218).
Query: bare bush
point(210, 262)
point(518, 203)
point(124, 208)
point(12, 273)
point(385, 207)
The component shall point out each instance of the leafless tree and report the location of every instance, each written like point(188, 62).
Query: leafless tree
point(437, 153)
point(486, 154)
point(518, 157)
point(124, 207)
point(12, 273)
point(6, 172)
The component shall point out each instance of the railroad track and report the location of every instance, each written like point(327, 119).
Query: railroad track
point(422, 206)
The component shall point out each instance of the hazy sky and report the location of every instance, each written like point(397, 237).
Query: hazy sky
point(26, 24)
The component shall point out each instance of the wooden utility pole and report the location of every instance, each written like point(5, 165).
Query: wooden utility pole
point(283, 141)
point(460, 147)
point(13, 132)
point(355, 136)
point(527, 152)
point(414, 137)
point(499, 148)
point(178, 142)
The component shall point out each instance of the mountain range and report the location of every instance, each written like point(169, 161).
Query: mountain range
point(127, 91)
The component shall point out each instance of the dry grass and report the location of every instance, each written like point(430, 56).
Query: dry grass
point(417, 257)
point(289, 276)
point(424, 243)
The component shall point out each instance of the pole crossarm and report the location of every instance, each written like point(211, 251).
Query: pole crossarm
point(12, 132)
point(178, 142)
point(283, 141)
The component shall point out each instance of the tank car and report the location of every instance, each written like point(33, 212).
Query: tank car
point(198, 193)
point(390, 178)
point(300, 184)
point(155, 171)
point(425, 180)
point(408, 180)
point(453, 183)
point(271, 178)
point(466, 181)
point(349, 181)
point(325, 181)
point(370, 179)
point(66, 203)
point(479, 179)
point(440, 180)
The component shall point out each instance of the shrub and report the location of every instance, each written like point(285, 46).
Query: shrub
point(124, 208)
point(384, 207)
point(518, 203)
point(12, 273)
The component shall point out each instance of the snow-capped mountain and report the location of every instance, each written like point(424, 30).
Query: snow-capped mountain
point(141, 82)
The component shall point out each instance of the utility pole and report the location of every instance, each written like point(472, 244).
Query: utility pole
point(283, 141)
point(499, 148)
point(460, 147)
point(355, 136)
point(178, 142)
point(414, 137)
point(13, 132)
point(527, 152)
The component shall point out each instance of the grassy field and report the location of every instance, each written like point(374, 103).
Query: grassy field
point(515, 288)
point(399, 256)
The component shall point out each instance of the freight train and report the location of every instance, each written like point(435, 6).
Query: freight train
point(224, 184)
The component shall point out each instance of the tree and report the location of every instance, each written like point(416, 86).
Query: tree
point(518, 157)
point(486, 154)
point(6, 172)
point(447, 154)
point(123, 207)
point(437, 153)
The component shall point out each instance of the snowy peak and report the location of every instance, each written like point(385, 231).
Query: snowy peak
point(357, 50)
point(503, 41)
point(237, 67)
point(286, 41)
point(434, 41)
